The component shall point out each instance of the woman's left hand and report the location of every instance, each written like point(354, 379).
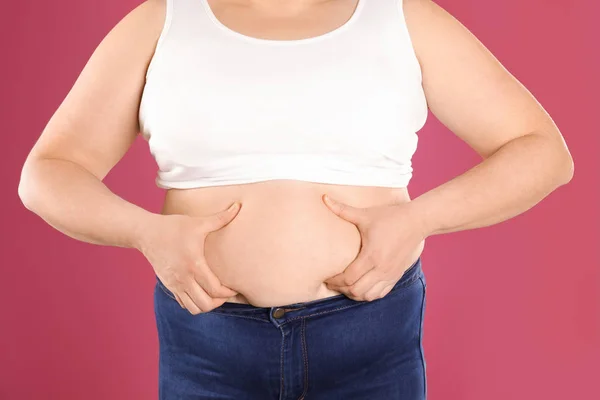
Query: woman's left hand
point(392, 238)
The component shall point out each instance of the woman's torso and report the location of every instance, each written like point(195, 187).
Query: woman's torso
point(285, 242)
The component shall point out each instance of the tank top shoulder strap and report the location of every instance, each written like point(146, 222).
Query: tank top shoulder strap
point(181, 18)
point(382, 25)
point(372, 12)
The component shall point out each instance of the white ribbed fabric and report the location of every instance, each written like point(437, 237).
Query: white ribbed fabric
point(222, 108)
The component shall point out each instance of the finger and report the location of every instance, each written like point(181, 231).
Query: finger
point(363, 284)
point(179, 300)
point(218, 302)
point(357, 268)
point(387, 289)
point(188, 303)
point(349, 295)
point(345, 211)
point(199, 297)
point(206, 278)
point(222, 218)
point(377, 291)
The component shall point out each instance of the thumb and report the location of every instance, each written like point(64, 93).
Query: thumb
point(345, 211)
point(222, 218)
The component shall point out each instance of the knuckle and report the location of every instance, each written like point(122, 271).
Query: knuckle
point(181, 271)
point(354, 291)
point(178, 279)
point(212, 291)
point(369, 297)
point(348, 280)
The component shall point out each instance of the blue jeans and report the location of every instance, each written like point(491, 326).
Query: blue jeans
point(327, 349)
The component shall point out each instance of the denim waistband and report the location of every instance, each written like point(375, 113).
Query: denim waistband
point(288, 312)
point(409, 276)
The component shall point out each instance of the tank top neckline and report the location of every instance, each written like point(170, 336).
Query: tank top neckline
point(252, 39)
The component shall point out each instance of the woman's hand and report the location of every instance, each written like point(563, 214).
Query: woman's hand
point(392, 238)
point(174, 245)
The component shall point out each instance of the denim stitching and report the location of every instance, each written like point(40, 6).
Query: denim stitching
point(406, 285)
point(262, 310)
point(305, 351)
point(236, 315)
point(421, 339)
point(161, 349)
point(281, 364)
point(244, 310)
point(415, 275)
point(408, 282)
point(322, 312)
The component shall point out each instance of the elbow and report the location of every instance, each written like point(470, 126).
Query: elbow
point(24, 192)
point(26, 188)
point(26, 199)
point(566, 168)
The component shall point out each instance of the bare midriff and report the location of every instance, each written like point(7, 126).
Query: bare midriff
point(285, 241)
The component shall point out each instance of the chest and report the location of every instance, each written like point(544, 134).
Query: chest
point(300, 99)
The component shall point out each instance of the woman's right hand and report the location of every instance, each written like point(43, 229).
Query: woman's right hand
point(174, 246)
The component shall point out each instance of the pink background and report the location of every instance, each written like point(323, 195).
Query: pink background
point(513, 310)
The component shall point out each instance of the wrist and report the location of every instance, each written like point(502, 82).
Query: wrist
point(423, 217)
point(145, 225)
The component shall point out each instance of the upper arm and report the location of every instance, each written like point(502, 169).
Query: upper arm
point(97, 121)
point(467, 88)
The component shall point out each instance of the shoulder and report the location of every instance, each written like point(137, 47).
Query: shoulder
point(142, 24)
point(146, 19)
point(425, 19)
point(433, 30)
point(133, 38)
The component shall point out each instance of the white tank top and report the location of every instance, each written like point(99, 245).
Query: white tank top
point(222, 108)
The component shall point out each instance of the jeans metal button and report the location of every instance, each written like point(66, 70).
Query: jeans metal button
point(278, 313)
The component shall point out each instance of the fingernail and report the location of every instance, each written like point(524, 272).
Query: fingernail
point(233, 206)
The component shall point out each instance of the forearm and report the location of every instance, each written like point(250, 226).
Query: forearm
point(78, 204)
point(509, 182)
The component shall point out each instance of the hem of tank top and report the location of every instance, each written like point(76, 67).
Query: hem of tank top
point(253, 39)
point(163, 184)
